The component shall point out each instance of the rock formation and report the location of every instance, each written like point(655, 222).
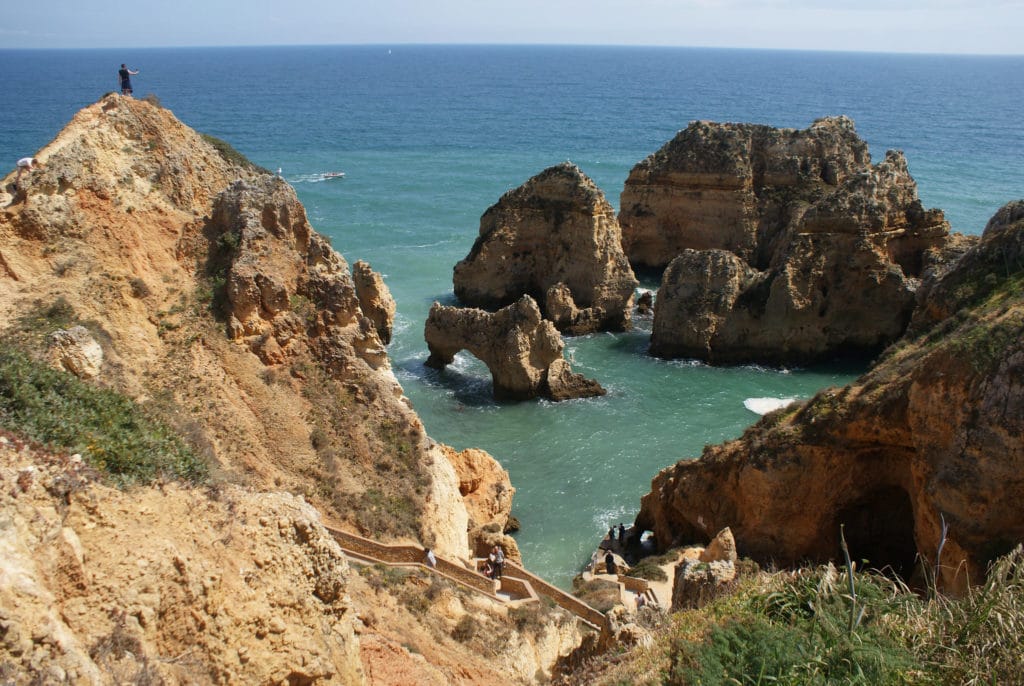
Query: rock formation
point(522, 350)
point(933, 431)
point(75, 350)
point(556, 239)
point(217, 307)
point(696, 583)
point(780, 245)
point(284, 280)
point(485, 486)
point(375, 299)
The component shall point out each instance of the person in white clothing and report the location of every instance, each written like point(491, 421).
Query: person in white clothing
point(25, 164)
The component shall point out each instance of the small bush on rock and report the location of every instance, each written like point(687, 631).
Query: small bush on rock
point(647, 569)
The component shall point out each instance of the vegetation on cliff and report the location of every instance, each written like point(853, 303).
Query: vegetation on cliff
point(113, 434)
point(805, 627)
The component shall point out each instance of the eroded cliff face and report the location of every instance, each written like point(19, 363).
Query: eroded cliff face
point(217, 304)
point(829, 248)
point(935, 430)
point(556, 239)
point(165, 585)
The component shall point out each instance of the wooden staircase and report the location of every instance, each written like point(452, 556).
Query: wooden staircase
point(516, 584)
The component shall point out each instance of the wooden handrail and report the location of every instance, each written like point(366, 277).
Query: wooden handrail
point(411, 555)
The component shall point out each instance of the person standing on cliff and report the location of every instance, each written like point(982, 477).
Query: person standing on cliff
point(126, 74)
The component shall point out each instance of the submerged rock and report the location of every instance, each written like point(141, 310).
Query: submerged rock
point(556, 239)
point(522, 350)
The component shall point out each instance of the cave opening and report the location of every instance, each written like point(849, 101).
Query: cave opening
point(879, 528)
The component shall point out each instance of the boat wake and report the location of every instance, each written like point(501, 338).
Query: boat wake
point(315, 178)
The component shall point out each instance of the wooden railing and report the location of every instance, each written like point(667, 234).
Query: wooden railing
point(519, 582)
point(561, 598)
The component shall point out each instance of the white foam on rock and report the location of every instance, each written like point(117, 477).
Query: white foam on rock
point(763, 406)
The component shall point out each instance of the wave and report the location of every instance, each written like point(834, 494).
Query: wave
point(763, 406)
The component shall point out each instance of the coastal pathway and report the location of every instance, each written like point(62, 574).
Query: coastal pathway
point(516, 585)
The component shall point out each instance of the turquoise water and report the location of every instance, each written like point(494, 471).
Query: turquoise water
point(429, 137)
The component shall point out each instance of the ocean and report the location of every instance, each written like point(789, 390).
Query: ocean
point(430, 136)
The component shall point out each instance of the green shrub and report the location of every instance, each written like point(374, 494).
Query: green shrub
point(466, 628)
point(231, 155)
point(528, 617)
point(381, 576)
point(600, 594)
point(113, 434)
point(647, 569)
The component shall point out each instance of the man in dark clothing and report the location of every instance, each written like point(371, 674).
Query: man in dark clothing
point(125, 74)
point(499, 561)
point(609, 563)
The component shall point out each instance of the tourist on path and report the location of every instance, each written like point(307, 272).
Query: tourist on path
point(499, 561)
point(489, 566)
point(431, 560)
point(125, 74)
point(609, 563)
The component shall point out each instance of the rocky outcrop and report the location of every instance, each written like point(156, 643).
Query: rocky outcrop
point(697, 583)
point(218, 309)
point(933, 431)
point(375, 299)
point(522, 350)
point(75, 350)
point(285, 285)
point(813, 250)
point(484, 484)
point(722, 548)
point(556, 239)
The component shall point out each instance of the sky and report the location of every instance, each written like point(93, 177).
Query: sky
point(929, 26)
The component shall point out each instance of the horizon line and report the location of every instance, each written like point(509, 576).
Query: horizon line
point(523, 45)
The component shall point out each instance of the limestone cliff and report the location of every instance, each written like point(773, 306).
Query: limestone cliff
point(157, 262)
point(829, 248)
point(522, 350)
point(216, 304)
point(165, 585)
point(933, 431)
point(556, 239)
point(375, 299)
point(487, 491)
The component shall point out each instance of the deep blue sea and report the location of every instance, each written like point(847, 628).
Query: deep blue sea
point(430, 136)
